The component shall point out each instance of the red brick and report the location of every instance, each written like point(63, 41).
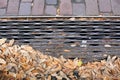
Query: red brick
point(104, 5)
point(3, 3)
point(65, 7)
point(13, 6)
point(38, 7)
point(91, 7)
point(115, 7)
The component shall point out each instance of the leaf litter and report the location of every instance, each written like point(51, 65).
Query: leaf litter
point(22, 62)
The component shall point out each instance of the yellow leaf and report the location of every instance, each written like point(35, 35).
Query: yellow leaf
point(79, 63)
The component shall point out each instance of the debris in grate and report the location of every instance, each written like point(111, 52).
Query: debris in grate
point(86, 39)
point(22, 62)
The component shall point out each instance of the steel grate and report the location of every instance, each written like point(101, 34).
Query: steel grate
point(85, 39)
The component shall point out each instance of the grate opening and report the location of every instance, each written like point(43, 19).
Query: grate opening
point(83, 39)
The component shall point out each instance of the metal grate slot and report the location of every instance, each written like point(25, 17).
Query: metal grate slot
point(89, 40)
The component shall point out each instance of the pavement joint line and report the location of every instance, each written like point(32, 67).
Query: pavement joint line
point(64, 8)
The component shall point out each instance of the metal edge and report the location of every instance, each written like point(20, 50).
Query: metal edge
point(59, 17)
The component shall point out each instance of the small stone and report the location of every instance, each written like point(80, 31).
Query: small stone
point(84, 41)
point(107, 45)
point(84, 45)
point(73, 45)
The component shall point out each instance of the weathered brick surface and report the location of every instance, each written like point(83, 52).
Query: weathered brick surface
point(78, 9)
point(38, 7)
point(115, 7)
point(81, 1)
point(106, 14)
point(2, 12)
point(13, 6)
point(25, 9)
point(91, 7)
point(50, 10)
point(65, 7)
point(26, 0)
point(51, 1)
point(3, 3)
point(104, 5)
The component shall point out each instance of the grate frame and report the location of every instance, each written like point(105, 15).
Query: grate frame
point(89, 40)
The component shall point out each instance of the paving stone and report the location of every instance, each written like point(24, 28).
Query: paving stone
point(81, 1)
point(3, 3)
point(106, 14)
point(91, 7)
point(104, 5)
point(65, 7)
point(25, 9)
point(26, 0)
point(51, 1)
point(38, 7)
point(13, 6)
point(115, 7)
point(50, 10)
point(2, 12)
point(78, 9)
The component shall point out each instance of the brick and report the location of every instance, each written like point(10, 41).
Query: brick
point(38, 7)
point(51, 1)
point(81, 1)
point(78, 9)
point(50, 10)
point(26, 0)
point(91, 7)
point(13, 6)
point(65, 7)
point(106, 14)
point(3, 3)
point(2, 12)
point(115, 7)
point(25, 9)
point(104, 5)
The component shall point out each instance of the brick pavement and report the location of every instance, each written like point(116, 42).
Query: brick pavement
point(59, 7)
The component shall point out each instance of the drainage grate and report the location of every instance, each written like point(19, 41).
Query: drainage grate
point(85, 39)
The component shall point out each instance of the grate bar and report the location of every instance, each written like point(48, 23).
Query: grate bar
point(84, 39)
